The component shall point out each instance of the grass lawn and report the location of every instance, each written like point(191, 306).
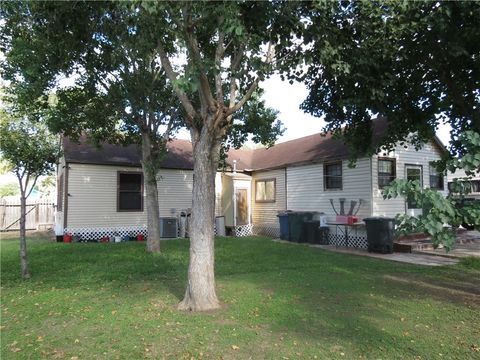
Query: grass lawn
point(281, 301)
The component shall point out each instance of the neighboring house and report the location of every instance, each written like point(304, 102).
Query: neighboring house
point(101, 189)
point(474, 182)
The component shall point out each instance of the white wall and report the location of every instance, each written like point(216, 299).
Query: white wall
point(403, 155)
point(92, 200)
point(266, 213)
point(305, 191)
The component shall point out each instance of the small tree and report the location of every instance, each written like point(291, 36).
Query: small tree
point(119, 93)
point(32, 152)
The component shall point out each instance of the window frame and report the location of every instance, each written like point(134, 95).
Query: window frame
point(119, 173)
point(394, 167)
point(274, 190)
point(325, 176)
point(438, 175)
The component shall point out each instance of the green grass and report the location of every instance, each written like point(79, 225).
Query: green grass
point(109, 301)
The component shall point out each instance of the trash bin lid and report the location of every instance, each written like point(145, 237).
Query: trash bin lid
point(379, 218)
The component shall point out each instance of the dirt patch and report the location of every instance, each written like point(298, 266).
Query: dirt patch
point(31, 234)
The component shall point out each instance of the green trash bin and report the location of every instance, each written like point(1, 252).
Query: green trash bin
point(295, 224)
point(380, 233)
point(310, 231)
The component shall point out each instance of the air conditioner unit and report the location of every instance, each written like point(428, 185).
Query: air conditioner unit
point(168, 227)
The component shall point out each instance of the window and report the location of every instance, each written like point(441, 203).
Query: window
point(60, 193)
point(130, 191)
point(332, 176)
point(386, 172)
point(436, 178)
point(475, 186)
point(265, 190)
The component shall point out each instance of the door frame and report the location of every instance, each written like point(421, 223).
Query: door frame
point(236, 187)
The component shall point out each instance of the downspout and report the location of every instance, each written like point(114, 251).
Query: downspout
point(65, 197)
point(234, 195)
point(371, 186)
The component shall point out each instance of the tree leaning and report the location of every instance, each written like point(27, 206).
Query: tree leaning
point(32, 152)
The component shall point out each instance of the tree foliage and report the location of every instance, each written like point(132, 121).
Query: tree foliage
point(416, 63)
point(32, 152)
point(8, 189)
point(437, 212)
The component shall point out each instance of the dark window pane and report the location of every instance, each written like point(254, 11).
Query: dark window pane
point(436, 178)
point(130, 201)
point(333, 170)
point(130, 194)
point(333, 176)
point(475, 186)
point(131, 182)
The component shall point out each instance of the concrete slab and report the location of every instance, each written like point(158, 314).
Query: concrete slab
point(410, 258)
point(467, 244)
point(413, 258)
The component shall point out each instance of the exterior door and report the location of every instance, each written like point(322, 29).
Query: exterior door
point(413, 172)
point(241, 197)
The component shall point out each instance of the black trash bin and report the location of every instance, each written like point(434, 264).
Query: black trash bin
point(380, 231)
point(310, 231)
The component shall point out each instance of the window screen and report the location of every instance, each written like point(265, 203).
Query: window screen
point(386, 172)
point(130, 192)
point(436, 178)
point(332, 176)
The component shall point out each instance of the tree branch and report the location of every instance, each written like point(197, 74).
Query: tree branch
point(232, 109)
point(218, 65)
point(172, 76)
point(245, 98)
point(33, 185)
point(208, 103)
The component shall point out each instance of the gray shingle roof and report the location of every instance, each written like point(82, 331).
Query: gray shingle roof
point(308, 149)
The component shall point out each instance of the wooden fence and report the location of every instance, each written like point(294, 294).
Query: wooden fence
point(40, 214)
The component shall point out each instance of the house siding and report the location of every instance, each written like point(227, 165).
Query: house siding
point(92, 200)
point(404, 155)
point(305, 188)
point(218, 194)
point(60, 200)
point(264, 215)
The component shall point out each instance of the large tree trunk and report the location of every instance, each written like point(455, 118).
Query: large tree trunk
point(200, 294)
point(149, 167)
point(23, 239)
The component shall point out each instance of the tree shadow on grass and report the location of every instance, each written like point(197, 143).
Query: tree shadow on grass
point(117, 266)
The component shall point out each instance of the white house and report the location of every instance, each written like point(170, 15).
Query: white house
point(100, 190)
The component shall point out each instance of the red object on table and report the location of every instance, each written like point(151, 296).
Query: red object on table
point(67, 238)
point(346, 219)
point(105, 239)
point(140, 237)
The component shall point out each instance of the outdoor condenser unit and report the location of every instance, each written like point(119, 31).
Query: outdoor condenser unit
point(168, 227)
